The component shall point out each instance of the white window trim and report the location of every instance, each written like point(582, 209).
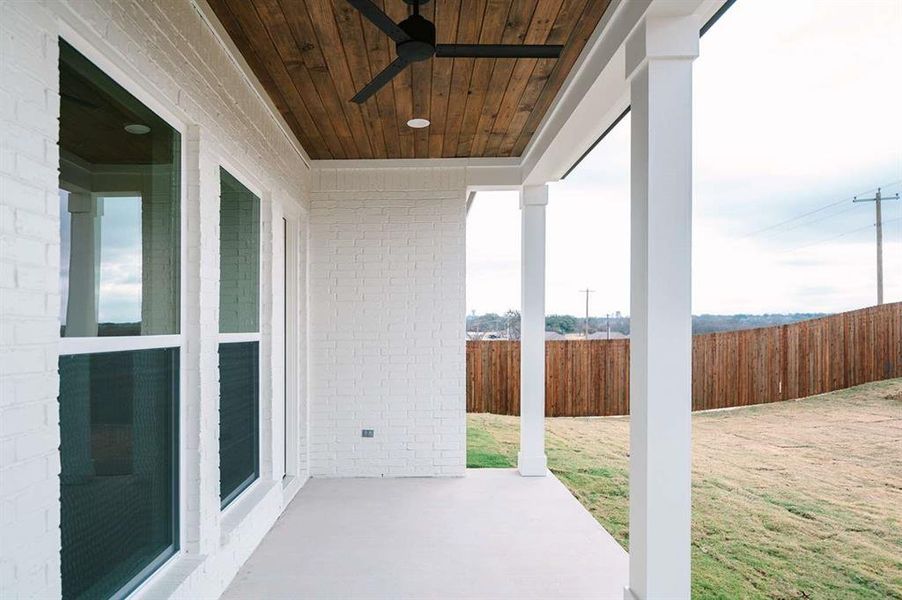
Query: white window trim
point(94, 345)
point(250, 336)
point(291, 389)
point(235, 338)
point(98, 52)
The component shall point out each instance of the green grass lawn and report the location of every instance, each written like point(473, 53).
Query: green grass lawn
point(799, 499)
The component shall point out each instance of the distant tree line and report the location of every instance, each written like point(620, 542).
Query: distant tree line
point(714, 323)
point(509, 322)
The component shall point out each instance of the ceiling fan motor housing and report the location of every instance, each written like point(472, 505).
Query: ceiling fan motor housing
point(415, 41)
point(421, 44)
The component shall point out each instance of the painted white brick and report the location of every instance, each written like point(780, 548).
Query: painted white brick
point(384, 255)
point(165, 49)
point(387, 311)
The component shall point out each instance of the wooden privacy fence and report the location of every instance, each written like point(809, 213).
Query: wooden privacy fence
point(736, 368)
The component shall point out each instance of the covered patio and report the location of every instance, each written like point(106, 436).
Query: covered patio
point(312, 331)
point(490, 533)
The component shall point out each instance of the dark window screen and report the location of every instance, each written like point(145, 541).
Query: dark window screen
point(238, 418)
point(239, 257)
point(118, 484)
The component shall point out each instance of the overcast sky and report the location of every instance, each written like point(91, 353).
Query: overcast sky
point(120, 259)
point(797, 108)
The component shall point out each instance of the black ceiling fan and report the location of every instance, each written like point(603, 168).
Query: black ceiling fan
point(414, 39)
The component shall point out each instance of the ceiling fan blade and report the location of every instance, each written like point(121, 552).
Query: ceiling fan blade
point(498, 51)
point(380, 19)
point(387, 74)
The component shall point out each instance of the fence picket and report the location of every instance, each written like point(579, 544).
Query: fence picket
point(736, 368)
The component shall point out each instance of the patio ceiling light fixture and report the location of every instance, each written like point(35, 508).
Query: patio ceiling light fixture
point(414, 39)
point(137, 128)
point(418, 123)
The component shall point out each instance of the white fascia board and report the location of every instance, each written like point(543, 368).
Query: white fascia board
point(589, 93)
point(494, 174)
point(481, 173)
point(597, 90)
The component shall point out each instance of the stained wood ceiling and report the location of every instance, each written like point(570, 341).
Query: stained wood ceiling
point(313, 55)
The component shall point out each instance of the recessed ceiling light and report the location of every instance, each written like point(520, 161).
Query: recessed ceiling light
point(418, 123)
point(137, 128)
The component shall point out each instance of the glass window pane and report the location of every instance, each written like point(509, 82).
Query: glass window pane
point(238, 418)
point(119, 208)
point(119, 477)
point(239, 257)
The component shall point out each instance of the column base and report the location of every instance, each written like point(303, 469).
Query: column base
point(532, 466)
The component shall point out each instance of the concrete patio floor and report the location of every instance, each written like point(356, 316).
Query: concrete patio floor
point(491, 534)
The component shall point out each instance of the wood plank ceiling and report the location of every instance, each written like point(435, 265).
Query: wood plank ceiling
point(313, 55)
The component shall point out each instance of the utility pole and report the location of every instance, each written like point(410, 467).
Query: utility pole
point(877, 200)
point(587, 291)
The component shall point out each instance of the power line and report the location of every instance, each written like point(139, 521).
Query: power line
point(774, 226)
point(845, 233)
point(824, 218)
point(816, 210)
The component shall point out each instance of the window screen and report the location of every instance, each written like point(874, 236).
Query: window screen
point(239, 335)
point(118, 428)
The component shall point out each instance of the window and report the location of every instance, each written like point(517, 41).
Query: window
point(118, 419)
point(120, 189)
point(238, 423)
point(119, 209)
point(239, 338)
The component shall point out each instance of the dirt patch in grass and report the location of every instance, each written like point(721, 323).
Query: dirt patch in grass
point(798, 499)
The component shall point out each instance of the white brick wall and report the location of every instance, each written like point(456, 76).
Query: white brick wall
point(29, 305)
point(165, 53)
point(387, 262)
point(384, 262)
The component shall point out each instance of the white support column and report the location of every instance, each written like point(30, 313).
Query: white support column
point(659, 57)
point(84, 265)
point(531, 460)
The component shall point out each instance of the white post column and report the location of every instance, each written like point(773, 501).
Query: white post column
point(531, 458)
point(84, 265)
point(659, 57)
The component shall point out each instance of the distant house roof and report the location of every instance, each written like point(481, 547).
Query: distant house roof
point(554, 335)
